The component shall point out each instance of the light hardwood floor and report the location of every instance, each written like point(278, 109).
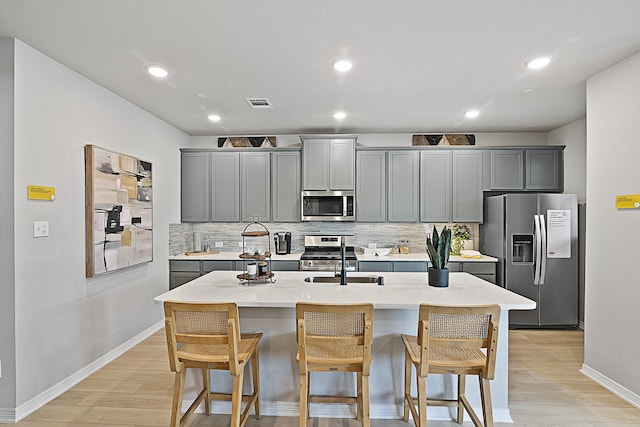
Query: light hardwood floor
point(545, 389)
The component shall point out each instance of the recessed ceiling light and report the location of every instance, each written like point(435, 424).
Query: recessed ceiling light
point(526, 90)
point(200, 95)
point(538, 62)
point(342, 65)
point(157, 71)
point(339, 115)
point(471, 114)
point(214, 117)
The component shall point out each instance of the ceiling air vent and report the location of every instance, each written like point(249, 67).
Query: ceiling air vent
point(259, 103)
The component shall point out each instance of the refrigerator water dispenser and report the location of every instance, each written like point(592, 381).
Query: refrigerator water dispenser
point(522, 248)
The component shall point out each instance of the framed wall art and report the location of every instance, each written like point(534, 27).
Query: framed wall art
point(118, 211)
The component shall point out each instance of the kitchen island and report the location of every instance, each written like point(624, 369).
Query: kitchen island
point(270, 308)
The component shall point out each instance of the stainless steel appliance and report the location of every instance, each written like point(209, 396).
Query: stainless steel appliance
point(322, 253)
point(328, 206)
point(535, 238)
point(283, 242)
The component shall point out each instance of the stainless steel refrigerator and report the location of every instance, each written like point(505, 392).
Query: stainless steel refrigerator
point(535, 238)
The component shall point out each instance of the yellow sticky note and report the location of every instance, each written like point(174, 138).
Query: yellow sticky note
point(629, 201)
point(38, 192)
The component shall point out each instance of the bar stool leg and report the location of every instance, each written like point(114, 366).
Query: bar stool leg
point(236, 399)
point(406, 401)
point(304, 397)
point(255, 377)
point(462, 381)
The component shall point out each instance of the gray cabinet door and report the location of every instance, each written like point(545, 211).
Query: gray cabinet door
point(435, 186)
point(402, 186)
point(225, 187)
point(341, 164)
point(410, 266)
point(371, 186)
point(285, 184)
point(467, 186)
point(194, 187)
point(180, 278)
point(315, 153)
point(255, 186)
point(285, 265)
point(507, 171)
point(373, 266)
point(544, 170)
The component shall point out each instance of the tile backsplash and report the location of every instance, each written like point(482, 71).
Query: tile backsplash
point(230, 234)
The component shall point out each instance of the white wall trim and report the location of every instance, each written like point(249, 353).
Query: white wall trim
point(581, 324)
point(380, 411)
point(8, 415)
point(612, 386)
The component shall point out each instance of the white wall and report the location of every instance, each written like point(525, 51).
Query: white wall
point(574, 136)
point(63, 320)
point(401, 139)
point(612, 344)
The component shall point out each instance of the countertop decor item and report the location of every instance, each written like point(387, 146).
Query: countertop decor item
point(438, 249)
point(461, 233)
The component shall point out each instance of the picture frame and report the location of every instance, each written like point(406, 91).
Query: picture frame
point(118, 210)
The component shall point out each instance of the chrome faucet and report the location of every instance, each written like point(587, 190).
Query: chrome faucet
point(343, 264)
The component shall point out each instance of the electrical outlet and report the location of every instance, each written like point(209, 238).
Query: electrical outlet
point(239, 244)
point(373, 245)
point(41, 229)
point(219, 244)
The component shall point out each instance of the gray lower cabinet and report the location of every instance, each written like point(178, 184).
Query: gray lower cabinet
point(371, 266)
point(392, 266)
point(410, 266)
point(227, 265)
point(371, 186)
point(285, 185)
point(435, 186)
point(225, 186)
point(195, 202)
point(483, 270)
point(467, 186)
point(403, 186)
point(182, 271)
point(255, 186)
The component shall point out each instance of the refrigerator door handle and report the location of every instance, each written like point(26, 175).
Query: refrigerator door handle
point(537, 259)
point(543, 252)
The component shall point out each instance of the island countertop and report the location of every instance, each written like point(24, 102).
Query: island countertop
point(400, 291)
point(415, 256)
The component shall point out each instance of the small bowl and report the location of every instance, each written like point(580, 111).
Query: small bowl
point(383, 251)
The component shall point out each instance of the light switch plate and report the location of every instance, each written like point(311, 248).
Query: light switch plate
point(219, 244)
point(41, 229)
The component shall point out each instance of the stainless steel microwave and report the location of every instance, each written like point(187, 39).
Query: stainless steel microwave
point(328, 206)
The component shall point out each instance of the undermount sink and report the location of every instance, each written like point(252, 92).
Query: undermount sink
point(350, 279)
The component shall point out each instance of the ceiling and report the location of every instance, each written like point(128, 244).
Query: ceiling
point(419, 64)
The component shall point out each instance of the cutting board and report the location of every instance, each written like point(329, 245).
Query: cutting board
point(202, 253)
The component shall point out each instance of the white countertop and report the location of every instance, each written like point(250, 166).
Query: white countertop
point(400, 291)
point(417, 256)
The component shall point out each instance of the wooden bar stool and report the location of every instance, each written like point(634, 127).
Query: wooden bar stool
point(207, 336)
point(334, 338)
point(458, 340)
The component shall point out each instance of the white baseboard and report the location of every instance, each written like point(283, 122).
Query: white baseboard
point(377, 411)
point(612, 386)
point(9, 415)
point(581, 324)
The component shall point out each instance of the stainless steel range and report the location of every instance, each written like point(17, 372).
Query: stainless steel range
point(322, 253)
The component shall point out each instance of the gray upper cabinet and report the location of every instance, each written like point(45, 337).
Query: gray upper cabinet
point(194, 187)
point(506, 170)
point(225, 186)
point(285, 184)
point(435, 186)
point(255, 188)
point(371, 186)
point(525, 169)
point(544, 170)
point(467, 186)
point(342, 164)
point(328, 164)
point(403, 186)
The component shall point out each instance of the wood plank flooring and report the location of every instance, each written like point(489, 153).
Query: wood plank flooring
point(545, 389)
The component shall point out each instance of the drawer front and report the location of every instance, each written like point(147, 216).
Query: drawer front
point(180, 278)
point(488, 277)
point(285, 265)
point(374, 266)
point(208, 266)
point(455, 266)
point(410, 266)
point(479, 267)
point(184, 265)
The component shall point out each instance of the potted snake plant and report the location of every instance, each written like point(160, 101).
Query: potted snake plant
point(438, 249)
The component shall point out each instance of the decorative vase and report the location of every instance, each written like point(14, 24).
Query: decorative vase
point(456, 245)
point(438, 278)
